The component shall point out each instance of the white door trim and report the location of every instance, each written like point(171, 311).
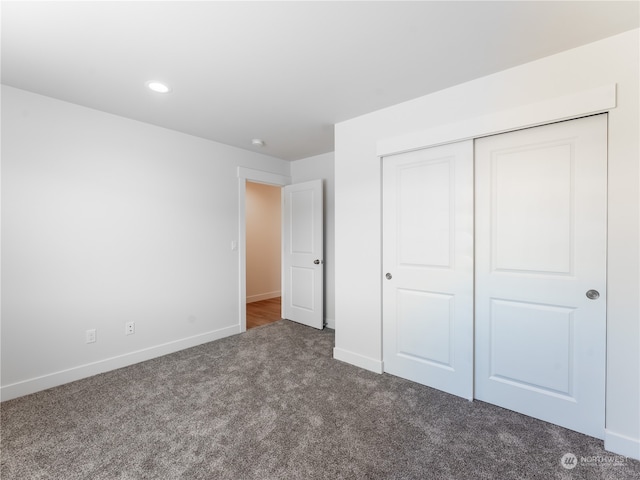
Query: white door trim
point(580, 104)
point(258, 176)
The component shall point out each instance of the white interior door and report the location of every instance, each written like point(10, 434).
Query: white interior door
point(428, 265)
point(540, 257)
point(302, 254)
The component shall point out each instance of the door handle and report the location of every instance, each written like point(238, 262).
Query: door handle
point(593, 294)
point(318, 262)
point(389, 276)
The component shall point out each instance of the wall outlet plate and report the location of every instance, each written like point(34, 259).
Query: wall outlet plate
point(90, 335)
point(129, 328)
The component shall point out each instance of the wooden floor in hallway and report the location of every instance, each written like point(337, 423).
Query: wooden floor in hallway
point(263, 312)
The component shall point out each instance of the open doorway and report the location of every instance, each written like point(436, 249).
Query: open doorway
point(263, 240)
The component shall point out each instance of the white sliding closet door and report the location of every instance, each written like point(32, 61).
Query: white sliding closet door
point(428, 267)
point(541, 203)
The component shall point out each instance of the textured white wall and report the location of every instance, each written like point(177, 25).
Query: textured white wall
point(106, 220)
point(313, 168)
point(264, 231)
point(358, 197)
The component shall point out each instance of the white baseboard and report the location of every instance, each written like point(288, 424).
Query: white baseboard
point(330, 323)
point(55, 379)
point(262, 296)
point(621, 444)
point(358, 360)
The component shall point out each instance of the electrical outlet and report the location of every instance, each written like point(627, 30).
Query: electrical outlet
point(90, 336)
point(129, 328)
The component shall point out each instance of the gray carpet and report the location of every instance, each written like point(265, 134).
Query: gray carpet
point(273, 404)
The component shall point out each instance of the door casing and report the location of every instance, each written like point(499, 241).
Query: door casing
point(258, 176)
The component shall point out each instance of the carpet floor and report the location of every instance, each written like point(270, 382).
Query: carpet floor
point(273, 404)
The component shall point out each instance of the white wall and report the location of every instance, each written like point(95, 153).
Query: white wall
point(313, 168)
point(263, 239)
point(358, 197)
point(106, 220)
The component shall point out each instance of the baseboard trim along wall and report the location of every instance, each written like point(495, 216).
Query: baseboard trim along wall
point(358, 360)
point(621, 444)
point(330, 323)
point(56, 379)
point(263, 296)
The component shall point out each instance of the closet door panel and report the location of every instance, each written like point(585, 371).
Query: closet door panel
point(428, 267)
point(541, 203)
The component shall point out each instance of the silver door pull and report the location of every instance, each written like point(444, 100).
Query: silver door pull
point(593, 294)
point(389, 276)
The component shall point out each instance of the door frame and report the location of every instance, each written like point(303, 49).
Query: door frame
point(258, 176)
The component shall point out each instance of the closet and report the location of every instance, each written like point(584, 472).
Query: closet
point(494, 265)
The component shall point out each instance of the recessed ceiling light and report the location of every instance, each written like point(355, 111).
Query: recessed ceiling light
point(158, 87)
point(257, 142)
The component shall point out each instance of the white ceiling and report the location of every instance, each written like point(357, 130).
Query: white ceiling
point(281, 71)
